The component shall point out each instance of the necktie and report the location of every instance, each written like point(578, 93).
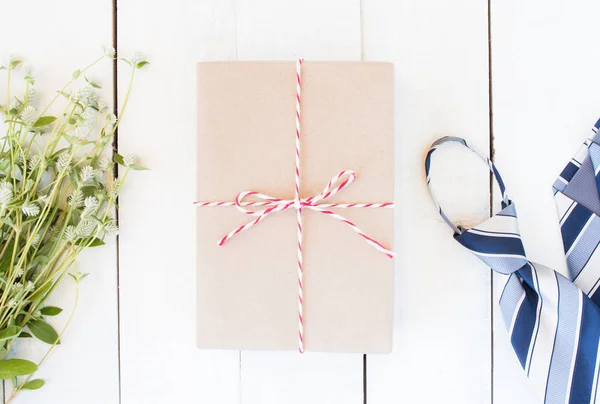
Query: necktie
point(553, 326)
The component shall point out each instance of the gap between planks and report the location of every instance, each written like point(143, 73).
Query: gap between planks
point(115, 146)
point(491, 181)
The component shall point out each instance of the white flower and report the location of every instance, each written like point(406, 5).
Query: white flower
point(69, 234)
point(76, 198)
point(28, 115)
point(87, 174)
point(64, 161)
point(19, 272)
point(102, 105)
point(111, 119)
point(81, 133)
point(29, 286)
point(44, 198)
point(90, 204)
point(30, 209)
point(85, 96)
point(103, 163)
point(137, 57)
point(86, 228)
point(6, 193)
point(129, 160)
point(31, 94)
point(34, 160)
point(111, 229)
point(89, 117)
point(29, 184)
point(12, 303)
point(36, 240)
point(110, 52)
point(17, 287)
point(116, 187)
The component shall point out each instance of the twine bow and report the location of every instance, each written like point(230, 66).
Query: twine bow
point(271, 205)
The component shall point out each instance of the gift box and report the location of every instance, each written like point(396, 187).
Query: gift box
point(248, 288)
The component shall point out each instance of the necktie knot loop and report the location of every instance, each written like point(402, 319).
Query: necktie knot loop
point(496, 241)
point(453, 139)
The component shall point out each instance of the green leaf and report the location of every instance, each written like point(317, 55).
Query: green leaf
point(76, 74)
point(6, 257)
point(14, 64)
point(33, 384)
point(24, 335)
point(57, 154)
point(84, 242)
point(10, 333)
point(93, 84)
point(118, 159)
point(141, 64)
point(41, 292)
point(13, 111)
point(76, 141)
point(10, 368)
point(43, 331)
point(138, 168)
point(40, 260)
point(126, 61)
point(51, 311)
point(78, 276)
point(43, 121)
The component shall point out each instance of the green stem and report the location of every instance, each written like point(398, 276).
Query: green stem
point(69, 83)
point(24, 382)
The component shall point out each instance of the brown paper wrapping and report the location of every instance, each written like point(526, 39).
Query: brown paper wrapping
point(247, 289)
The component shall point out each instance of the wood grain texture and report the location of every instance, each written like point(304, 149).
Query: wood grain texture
point(544, 76)
point(442, 312)
point(315, 30)
point(55, 39)
point(159, 359)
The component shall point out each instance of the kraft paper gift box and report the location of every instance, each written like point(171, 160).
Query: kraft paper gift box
point(247, 288)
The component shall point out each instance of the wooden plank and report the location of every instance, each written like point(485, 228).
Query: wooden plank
point(47, 36)
point(442, 313)
point(160, 362)
point(315, 30)
point(544, 72)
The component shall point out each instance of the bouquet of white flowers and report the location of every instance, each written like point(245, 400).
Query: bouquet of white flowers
point(58, 192)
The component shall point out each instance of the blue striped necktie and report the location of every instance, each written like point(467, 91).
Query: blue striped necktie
point(554, 327)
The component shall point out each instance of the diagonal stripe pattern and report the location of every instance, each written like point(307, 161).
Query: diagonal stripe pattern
point(553, 323)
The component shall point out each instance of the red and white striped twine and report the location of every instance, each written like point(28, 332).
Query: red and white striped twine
point(269, 204)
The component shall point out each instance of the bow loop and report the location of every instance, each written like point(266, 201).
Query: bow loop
point(256, 200)
point(339, 182)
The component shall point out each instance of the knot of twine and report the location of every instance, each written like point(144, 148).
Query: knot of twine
point(269, 204)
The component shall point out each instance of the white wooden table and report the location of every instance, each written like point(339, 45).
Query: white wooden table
point(517, 78)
